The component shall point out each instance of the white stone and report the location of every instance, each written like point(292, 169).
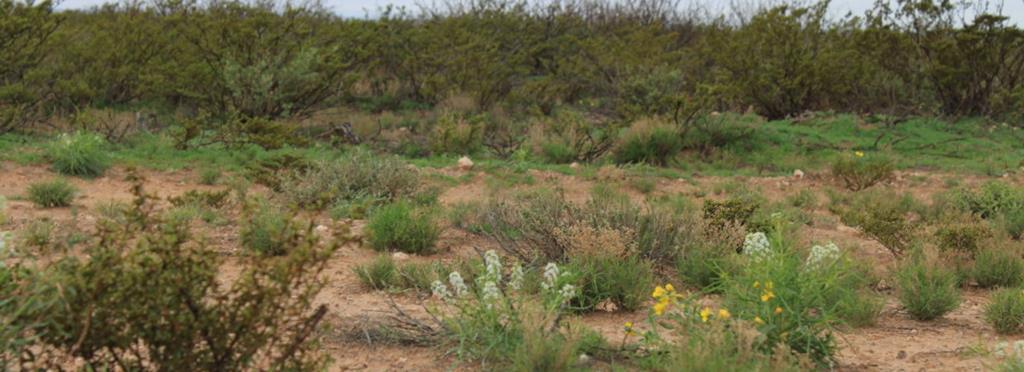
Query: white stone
point(465, 163)
point(574, 165)
point(798, 174)
point(399, 256)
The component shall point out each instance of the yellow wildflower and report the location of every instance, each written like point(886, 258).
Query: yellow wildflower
point(757, 284)
point(758, 320)
point(778, 310)
point(669, 288)
point(724, 314)
point(629, 329)
point(659, 291)
point(769, 285)
point(859, 154)
point(767, 296)
point(659, 308)
point(704, 314)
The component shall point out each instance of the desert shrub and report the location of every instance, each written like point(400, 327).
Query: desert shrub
point(52, 194)
point(571, 136)
point(266, 230)
point(381, 273)
point(418, 276)
point(649, 143)
point(466, 216)
point(620, 281)
point(998, 266)
point(718, 346)
point(456, 134)
point(928, 290)
point(859, 171)
point(990, 201)
point(209, 176)
point(804, 199)
point(885, 216)
point(206, 199)
point(38, 234)
point(357, 175)
point(963, 236)
point(526, 225)
point(401, 227)
point(731, 211)
point(703, 261)
point(78, 154)
point(150, 272)
point(1013, 223)
point(1005, 311)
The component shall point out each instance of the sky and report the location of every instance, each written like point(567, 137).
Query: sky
point(360, 8)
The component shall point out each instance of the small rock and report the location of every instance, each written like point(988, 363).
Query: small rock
point(798, 174)
point(465, 163)
point(901, 355)
point(607, 306)
point(576, 165)
point(1006, 175)
point(322, 230)
point(584, 359)
point(400, 256)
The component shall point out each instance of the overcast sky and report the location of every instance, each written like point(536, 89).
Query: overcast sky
point(359, 8)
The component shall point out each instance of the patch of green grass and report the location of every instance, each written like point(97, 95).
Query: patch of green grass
point(927, 290)
point(79, 154)
point(1005, 311)
point(401, 227)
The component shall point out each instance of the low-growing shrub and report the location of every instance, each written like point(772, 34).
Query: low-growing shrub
point(998, 266)
point(78, 154)
point(52, 194)
point(456, 134)
point(266, 230)
point(963, 236)
point(1005, 311)
point(359, 175)
point(928, 290)
point(704, 261)
point(209, 176)
point(38, 234)
point(401, 227)
point(648, 143)
point(206, 199)
point(734, 211)
point(989, 201)
point(885, 216)
point(859, 171)
point(381, 273)
point(620, 281)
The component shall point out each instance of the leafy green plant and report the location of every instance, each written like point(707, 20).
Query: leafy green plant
point(38, 234)
point(964, 236)
point(455, 134)
point(928, 290)
point(734, 211)
point(52, 194)
point(401, 227)
point(859, 171)
point(1005, 311)
point(622, 282)
point(998, 266)
point(266, 230)
point(885, 216)
point(209, 176)
point(79, 154)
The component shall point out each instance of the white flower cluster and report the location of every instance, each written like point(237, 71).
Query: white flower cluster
point(757, 245)
point(489, 283)
point(515, 280)
point(1004, 349)
point(822, 255)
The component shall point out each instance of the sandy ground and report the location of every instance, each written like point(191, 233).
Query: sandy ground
point(960, 341)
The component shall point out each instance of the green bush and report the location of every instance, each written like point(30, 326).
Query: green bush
point(927, 290)
point(381, 273)
point(356, 176)
point(963, 236)
point(998, 266)
point(991, 200)
point(266, 230)
point(621, 281)
point(457, 135)
point(859, 171)
point(102, 307)
point(38, 234)
point(209, 176)
point(79, 154)
point(1005, 311)
point(885, 216)
point(735, 211)
point(52, 194)
point(648, 143)
point(704, 261)
point(400, 227)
